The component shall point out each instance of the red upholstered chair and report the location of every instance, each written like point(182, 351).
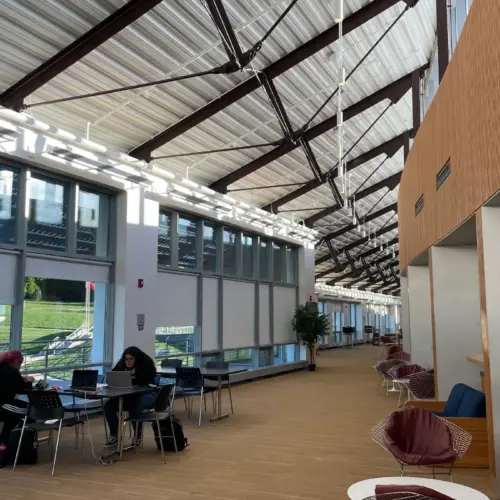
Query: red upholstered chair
point(416, 437)
point(404, 495)
point(393, 349)
point(421, 385)
point(405, 356)
point(406, 492)
point(382, 367)
point(400, 375)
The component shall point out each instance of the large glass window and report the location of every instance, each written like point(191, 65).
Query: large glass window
point(187, 242)
point(9, 194)
point(263, 260)
point(47, 213)
point(5, 312)
point(352, 315)
point(164, 239)
point(229, 251)
point(284, 354)
point(247, 255)
point(177, 342)
point(92, 225)
point(277, 262)
point(209, 247)
point(291, 265)
point(239, 357)
point(63, 325)
point(339, 321)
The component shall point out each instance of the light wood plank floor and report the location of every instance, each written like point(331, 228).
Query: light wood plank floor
point(302, 436)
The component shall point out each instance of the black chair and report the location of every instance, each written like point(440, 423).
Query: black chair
point(192, 383)
point(45, 406)
point(221, 365)
point(162, 410)
point(171, 363)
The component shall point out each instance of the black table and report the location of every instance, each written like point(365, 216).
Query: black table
point(212, 373)
point(110, 393)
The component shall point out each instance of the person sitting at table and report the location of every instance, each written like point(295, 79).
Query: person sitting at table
point(143, 372)
point(12, 383)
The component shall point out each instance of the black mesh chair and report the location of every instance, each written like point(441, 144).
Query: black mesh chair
point(171, 363)
point(192, 383)
point(162, 410)
point(220, 365)
point(47, 411)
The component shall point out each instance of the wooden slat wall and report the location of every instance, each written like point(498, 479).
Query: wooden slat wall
point(463, 124)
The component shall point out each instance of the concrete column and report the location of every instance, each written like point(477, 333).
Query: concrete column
point(405, 314)
point(136, 258)
point(488, 238)
point(306, 273)
point(457, 322)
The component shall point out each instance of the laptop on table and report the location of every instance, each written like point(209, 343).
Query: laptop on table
point(119, 380)
point(84, 380)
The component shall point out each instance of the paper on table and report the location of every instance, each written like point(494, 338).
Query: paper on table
point(50, 422)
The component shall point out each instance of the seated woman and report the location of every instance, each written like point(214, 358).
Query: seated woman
point(12, 383)
point(143, 372)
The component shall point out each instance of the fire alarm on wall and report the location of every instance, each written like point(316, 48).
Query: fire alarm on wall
point(140, 283)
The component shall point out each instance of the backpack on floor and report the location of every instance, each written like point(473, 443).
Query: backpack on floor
point(166, 434)
point(28, 453)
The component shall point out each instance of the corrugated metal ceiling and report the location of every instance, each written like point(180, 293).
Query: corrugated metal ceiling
point(178, 37)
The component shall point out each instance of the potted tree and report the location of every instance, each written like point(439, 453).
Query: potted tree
point(309, 326)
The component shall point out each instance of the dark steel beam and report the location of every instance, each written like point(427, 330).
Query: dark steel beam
point(391, 182)
point(365, 255)
point(358, 242)
point(226, 31)
point(319, 42)
point(14, 96)
point(361, 269)
point(388, 148)
point(442, 36)
point(393, 91)
point(369, 218)
point(406, 145)
point(334, 255)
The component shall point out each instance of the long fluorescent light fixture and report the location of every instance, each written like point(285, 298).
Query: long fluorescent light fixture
point(341, 292)
point(36, 139)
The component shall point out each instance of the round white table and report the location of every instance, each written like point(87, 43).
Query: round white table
point(365, 489)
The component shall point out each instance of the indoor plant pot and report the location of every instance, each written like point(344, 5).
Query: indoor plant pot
point(309, 326)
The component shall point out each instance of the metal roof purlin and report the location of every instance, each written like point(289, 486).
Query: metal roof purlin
point(389, 148)
point(391, 182)
point(311, 47)
point(393, 91)
point(14, 96)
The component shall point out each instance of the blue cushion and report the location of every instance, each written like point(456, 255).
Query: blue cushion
point(473, 404)
point(455, 400)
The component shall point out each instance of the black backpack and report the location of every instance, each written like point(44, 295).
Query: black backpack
point(28, 453)
point(166, 434)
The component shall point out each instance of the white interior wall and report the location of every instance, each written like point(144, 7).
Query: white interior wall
point(457, 319)
point(405, 314)
point(419, 300)
point(136, 258)
point(491, 253)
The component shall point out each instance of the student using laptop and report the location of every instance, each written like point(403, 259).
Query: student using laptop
point(143, 372)
point(12, 383)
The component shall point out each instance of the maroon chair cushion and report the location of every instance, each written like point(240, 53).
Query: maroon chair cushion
point(417, 437)
point(405, 370)
point(394, 349)
point(386, 489)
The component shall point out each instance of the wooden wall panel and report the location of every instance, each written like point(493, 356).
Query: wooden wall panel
point(463, 124)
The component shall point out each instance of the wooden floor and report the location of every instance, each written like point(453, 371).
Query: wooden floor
point(302, 436)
